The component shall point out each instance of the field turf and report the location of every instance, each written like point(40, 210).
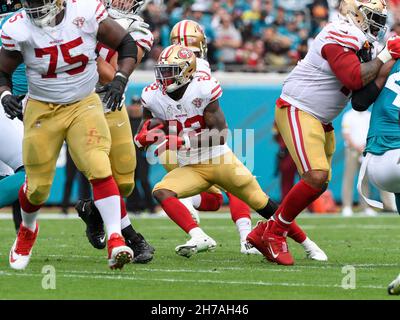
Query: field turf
point(370, 245)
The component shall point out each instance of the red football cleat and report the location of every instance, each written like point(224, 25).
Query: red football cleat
point(274, 239)
point(21, 250)
point(255, 239)
point(119, 253)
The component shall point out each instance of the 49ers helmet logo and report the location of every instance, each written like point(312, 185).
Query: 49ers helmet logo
point(185, 53)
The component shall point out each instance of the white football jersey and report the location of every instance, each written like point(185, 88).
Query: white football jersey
point(312, 86)
point(61, 60)
point(186, 115)
point(202, 68)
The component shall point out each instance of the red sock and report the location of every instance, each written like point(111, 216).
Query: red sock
point(296, 233)
point(26, 206)
point(210, 201)
point(179, 214)
point(123, 208)
point(238, 208)
point(298, 198)
point(104, 188)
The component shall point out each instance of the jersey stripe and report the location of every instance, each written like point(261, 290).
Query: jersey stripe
point(343, 35)
point(215, 89)
point(5, 37)
point(346, 43)
point(217, 95)
point(8, 45)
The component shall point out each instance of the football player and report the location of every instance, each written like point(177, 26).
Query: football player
point(197, 133)
point(190, 34)
point(382, 151)
point(313, 95)
point(57, 41)
point(12, 174)
point(122, 153)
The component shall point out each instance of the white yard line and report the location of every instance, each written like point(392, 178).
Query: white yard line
point(171, 280)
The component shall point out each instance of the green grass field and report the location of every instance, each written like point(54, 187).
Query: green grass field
point(371, 245)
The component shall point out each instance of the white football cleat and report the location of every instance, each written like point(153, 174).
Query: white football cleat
point(187, 202)
point(394, 287)
point(314, 252)
point(21, 250)
point(369, 212)
point(196, 245)
point(347, 212)
point(119, 253)
point(247, 248)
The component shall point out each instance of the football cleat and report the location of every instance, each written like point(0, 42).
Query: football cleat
point(143, 252)
point(275, 241)
point(314, 252)
point(255, 239)
point(196, 245)
point(247, 248)
point(88, 212)
point(21, 250)
point(187, 202)
point(394, 287)
point(118, 253)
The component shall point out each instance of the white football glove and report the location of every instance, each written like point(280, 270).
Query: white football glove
point(139, 31)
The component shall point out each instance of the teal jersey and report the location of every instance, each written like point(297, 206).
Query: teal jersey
point(384, 130)
point(19, 82)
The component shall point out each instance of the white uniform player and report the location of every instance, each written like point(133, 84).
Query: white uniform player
point(57, 40)
point(312, 86)
point(186, 114)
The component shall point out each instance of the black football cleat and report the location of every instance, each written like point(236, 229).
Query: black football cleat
point(88, 212)
point(142, 251)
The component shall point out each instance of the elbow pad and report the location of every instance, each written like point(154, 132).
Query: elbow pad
point(5, 80)
point(362, 99)
point(127, 48)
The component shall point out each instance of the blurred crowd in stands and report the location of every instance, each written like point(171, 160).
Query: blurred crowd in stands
point(249, 35)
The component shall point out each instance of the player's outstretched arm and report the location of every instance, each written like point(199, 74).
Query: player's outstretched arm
point(215, 122)
point(362, 99)
point(9, 61)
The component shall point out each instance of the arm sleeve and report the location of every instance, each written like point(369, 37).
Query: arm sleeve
point(362, 99)
point(216, 90)
point(344, 64)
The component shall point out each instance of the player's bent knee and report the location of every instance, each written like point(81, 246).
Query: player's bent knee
point(317, 178)
point(163, 194)
point(39, 195)
point(125, 189)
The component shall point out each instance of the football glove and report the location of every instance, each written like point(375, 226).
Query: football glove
point(171, 142)
point(12, 105)
point(391, 51)
point(139, 31)
point(146, 136)
point(114, 92)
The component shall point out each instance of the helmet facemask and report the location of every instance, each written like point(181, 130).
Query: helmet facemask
point(374, 25)
point(171, 77)
point(43, 13)
point(118, 9)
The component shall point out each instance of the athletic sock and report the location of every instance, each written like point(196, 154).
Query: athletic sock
point(244, 228)
point(210, 201)
point(238, 208)
point(29, 211)
point(196, 201)
point(197, 232)
point(298, 198)
point(9, 187)
point(179, 213)
point(125, 221)
point(107, 199)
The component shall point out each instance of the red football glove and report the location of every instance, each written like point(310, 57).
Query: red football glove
point(391, 51)
point(171, 142)
point(146, 137)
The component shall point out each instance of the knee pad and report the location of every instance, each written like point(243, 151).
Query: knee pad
point(98, 166)
point(123, 158)
point(125, 189)
point(39, 194)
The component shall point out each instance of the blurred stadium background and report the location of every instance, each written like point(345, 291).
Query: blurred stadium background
point(252, 45)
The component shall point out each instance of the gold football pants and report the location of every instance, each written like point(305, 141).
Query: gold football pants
point(46, 126)
point(122, 153)
point(230, 174)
